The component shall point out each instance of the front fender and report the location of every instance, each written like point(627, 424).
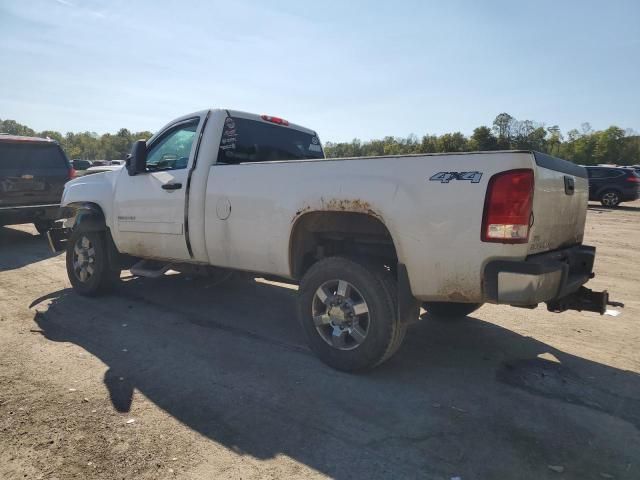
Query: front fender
point(89, 195)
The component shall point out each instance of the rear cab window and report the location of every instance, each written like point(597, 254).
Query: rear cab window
point(32, 156)
point(250, 141)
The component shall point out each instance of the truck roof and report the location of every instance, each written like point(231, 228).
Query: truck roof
point(258, 118)
point(237, 113)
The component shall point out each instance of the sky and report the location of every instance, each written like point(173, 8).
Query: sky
point(347, 69)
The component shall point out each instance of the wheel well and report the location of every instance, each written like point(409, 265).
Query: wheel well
point(87, 215)
point(322, 234)
point(613, 188)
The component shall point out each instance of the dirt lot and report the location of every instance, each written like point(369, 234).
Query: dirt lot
point(178, 378)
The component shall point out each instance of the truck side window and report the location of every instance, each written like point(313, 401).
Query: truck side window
point(252, 141)
point(171, 151)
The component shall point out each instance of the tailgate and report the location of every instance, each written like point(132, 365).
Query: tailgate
point(559, 204)
point(31, 173)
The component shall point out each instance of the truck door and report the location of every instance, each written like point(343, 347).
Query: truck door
point(150, 207)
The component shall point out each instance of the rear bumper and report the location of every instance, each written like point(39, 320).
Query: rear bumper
point(539, 278)
point(29, 213)
point(630, 196)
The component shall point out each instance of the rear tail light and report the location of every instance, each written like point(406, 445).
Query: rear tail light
point(72, 173)
point(507, 207)
point(279, 121)
point(633, 178)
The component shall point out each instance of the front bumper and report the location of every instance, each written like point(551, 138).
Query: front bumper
point(539, 278)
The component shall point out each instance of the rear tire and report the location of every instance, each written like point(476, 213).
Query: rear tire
point(88, 266)
point(43, 226)
point(348, 311)
point(610, 198)
point(447, 310)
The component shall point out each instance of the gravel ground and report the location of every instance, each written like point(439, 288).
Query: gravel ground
point(181, 378)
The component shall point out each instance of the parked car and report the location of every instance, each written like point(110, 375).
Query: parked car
point(81, 164)
point(613, 185)
point(102, 168)
point(367, 239)
point(33, 172)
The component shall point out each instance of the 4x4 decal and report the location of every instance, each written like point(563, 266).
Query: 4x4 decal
point(446, 177)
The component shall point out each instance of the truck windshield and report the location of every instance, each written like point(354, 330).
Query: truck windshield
point(245, 141)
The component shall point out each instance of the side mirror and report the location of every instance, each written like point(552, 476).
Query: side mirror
point(137, 160)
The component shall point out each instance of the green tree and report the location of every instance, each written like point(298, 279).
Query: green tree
point(483, 139)
point(502, 126)
point(452, 142)
point(14, 128)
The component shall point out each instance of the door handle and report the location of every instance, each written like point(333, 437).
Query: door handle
point(569, 185)
point(172, 186)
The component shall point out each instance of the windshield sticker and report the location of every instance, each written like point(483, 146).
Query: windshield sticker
point(315, 148)
point(315, 140)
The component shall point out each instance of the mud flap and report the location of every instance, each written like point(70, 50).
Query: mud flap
point(58, 238)
point(408, 306)
point(583, 299)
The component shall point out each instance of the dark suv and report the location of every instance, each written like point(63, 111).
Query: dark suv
point(33, 172)
point(612, 185)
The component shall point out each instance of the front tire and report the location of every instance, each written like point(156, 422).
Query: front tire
point(348, 311)
point(610, 198)
point(88, 266)
point(447, 310)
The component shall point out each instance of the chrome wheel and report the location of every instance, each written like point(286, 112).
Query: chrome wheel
point(610, 199)
point(340, 314)
point(84, 259)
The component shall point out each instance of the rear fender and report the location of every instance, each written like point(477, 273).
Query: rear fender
point(607, 188)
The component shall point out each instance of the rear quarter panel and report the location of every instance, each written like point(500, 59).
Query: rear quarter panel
point(435, 226)
point(559, 218)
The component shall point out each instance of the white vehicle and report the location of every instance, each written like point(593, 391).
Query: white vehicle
point(368, 240)
point(103, 168)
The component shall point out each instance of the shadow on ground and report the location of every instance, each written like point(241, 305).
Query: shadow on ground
point(33, 248)
point(464, 397)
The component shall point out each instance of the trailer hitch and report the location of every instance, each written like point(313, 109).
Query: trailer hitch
point(583, 299)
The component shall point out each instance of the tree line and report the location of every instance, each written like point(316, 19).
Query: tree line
point(584, 146)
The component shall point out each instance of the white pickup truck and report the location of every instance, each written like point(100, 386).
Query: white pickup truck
point(368, 240)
